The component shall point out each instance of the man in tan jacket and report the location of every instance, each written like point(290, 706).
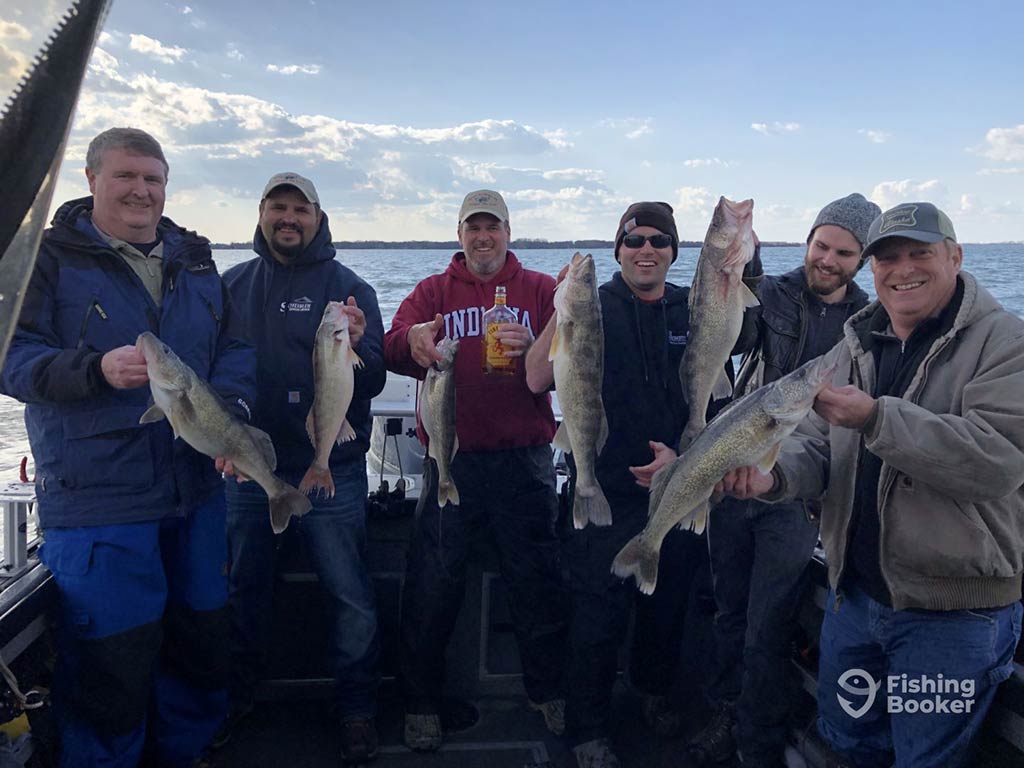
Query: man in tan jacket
point(917, 452)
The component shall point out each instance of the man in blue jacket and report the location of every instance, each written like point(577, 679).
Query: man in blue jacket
point(281, 295)
point(133, 519)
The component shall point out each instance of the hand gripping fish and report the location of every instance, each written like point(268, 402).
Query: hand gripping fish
point(437, 413)
point(198, 417)
point(334, 379)
point(749, 432)
point(717, 299)
point(577, 356)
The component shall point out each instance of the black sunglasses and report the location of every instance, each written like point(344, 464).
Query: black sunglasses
point(637, 241)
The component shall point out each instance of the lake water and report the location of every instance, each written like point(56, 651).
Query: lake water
point(394, 273)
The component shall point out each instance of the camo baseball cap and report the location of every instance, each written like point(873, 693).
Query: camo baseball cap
point(483, 201)
point(918, 221)
point(289, 179)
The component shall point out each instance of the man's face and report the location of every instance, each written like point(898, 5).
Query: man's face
point(832, 259)
point(645, 267)
point(484, 240)
point(128, 195)
point(915, 280)
point(289, 222)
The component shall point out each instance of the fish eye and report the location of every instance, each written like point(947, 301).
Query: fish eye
point(165, 348)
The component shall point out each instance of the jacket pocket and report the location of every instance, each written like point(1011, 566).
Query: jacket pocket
point(107, 447)
point(782, 338)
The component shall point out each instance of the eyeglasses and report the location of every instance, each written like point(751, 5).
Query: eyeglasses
point(637, 241)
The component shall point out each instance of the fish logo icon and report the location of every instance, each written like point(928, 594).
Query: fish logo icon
point(850, 681)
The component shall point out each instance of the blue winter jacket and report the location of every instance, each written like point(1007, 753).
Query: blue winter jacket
point(95, 464)
point(280, 308)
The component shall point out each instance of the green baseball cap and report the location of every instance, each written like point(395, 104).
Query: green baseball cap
point(917, 221)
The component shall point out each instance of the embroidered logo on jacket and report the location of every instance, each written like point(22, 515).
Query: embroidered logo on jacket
point(304, 304)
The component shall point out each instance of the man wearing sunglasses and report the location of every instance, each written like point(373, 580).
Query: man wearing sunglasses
point(645, 321)
point(759, 552)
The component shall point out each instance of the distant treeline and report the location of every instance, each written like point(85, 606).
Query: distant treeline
point(521, 244)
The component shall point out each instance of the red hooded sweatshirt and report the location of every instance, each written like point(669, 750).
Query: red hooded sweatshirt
point(491, 412)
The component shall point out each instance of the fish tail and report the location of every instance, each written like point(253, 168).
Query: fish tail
point(284, 506)
point(589, 505)
point(640, 560)
point(317, 478)
point(447, 492)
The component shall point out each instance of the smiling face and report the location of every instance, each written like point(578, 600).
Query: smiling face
point(289, 222)
point(915, 280)
point(832, 260)
point(484, 239)
point(644, 269)
point(128, 192)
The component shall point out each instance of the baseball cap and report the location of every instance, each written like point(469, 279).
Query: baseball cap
point(289, 179)
point(483, 201)
point(918, 221)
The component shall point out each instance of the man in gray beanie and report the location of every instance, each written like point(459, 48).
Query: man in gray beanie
point(758, 557)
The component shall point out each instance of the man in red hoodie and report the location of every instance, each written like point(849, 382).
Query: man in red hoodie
point(503, 471)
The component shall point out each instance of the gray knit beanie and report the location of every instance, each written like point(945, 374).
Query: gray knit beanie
point(853, 213)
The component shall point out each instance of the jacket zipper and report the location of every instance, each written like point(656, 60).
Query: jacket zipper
point(95, 306)
point(213, 312)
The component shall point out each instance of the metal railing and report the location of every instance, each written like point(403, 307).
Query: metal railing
point(17, 502)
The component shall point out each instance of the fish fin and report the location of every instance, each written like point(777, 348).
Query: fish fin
point(589, 505)
point(602, 433)
point(354, 359)
point(265, 444)
point(659, 482)
point(311, 425)
point(153, 413)
point(697, 519)
point(283, 507)
point(749, 298)
point(447, 492)
point(556, 339)
point(768, 460)
point(346, 433)
point(561, 439)
point(319, 479)
point(639, 560)
point(455, 446)
point(723, 387)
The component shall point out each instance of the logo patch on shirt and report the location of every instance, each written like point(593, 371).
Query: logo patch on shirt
point(303, 304)
point(294, 396)
point(677, 338)
point(197, 268)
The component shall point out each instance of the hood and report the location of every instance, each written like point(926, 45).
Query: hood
point(320, 248)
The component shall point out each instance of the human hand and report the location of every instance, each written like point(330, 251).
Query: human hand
point(227, 468)
point(421, 342)
point(845, 406)
point(124, 367)
point(745, 483)
point(561, 275)
point(663, 456)
point(356, 320)
point(515, 339)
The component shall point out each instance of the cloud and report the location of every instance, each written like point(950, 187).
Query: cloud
point(889, 193)
point(1004, 144)
point(186, 10)
point(156, 49)
point(634, 127)
point(234, 53)
point(875, 137)
point(707, 162)
point(294, 69)
point(776, 128)
point(12, 30)
point(1011, 171)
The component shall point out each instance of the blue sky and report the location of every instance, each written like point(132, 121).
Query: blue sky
point(572, 110)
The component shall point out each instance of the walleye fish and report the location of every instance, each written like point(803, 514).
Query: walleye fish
point(717, 300)
point(198, 417)
point(437, 412)
point(577, 354)
point(746, 433)
point(334, 379)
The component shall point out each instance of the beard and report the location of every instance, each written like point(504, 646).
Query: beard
point(288, 251)
point(824, 284)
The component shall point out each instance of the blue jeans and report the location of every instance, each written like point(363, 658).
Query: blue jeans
point(759, 554)
point(335, 535)
point(971, 650)
point(141, 638)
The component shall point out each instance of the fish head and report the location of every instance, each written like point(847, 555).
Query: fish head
point(730, 237)
point(335, 320)
point(164, 368)
point(447, 348)
point(579, 288)
point(791, 397)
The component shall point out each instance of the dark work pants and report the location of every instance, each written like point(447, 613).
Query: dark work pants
point(759, 553)
point(601, 603)
point(510, 495)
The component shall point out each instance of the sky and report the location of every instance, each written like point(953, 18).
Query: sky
point(572, 110)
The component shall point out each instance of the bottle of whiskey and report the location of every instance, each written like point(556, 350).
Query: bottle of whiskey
point(494, 360)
